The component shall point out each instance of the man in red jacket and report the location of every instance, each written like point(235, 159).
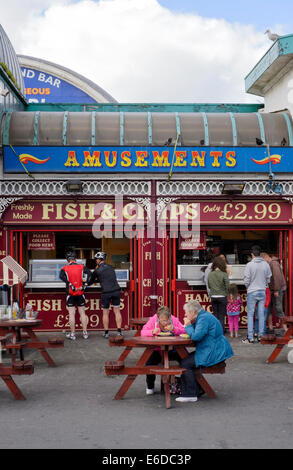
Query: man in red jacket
point(77, 277)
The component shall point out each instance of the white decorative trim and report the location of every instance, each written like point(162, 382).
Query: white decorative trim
point(145, 202)
point(5, 203)
point(90, 188)
point(162, 203)
point(214, 188)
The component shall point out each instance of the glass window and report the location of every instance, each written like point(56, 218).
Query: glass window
point(247, 129)
point(21, 130)
point(220, 129)
point(79, 128)
point(50, 128)
point(164, 128)
point(108, 129)
point(192, 129)
point(276, 130)
point(135, 129)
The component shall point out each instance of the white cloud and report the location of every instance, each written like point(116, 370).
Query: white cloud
point(137, 50)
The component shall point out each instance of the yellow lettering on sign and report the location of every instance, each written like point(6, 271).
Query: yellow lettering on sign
point(176, 210)
point(71, 212)
point(108, 212)
point(231, 160)
point(87, 211)
point(125, 158)
point(114, 159)
point(161, 160)
point(141, 156)
point(133, 211)
point(91, 160)
point(191, 211)
point(46, 209)
point(56, 305)
point(59, 211)
point(198, 160)
point(216, 156)
point(71, 160)
point(180, 155)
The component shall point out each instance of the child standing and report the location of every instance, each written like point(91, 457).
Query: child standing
point(233, 309)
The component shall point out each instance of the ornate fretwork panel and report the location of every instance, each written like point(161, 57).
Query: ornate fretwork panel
point(5, 202)
point(90, 188)
point(214, 188)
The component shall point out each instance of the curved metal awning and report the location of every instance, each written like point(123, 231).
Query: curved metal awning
point(146, 128)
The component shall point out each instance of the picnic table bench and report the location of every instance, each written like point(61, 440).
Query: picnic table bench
point(19, 335)
point(280, 342)
point(17, 368)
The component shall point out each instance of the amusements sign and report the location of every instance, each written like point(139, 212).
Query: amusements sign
point(55, 317)
point(43, 159)
point(41, 241)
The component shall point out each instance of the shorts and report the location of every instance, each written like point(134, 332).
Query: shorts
point(113, 297)
point(75, 300)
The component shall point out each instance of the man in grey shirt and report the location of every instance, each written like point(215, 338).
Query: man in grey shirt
point(257, 275)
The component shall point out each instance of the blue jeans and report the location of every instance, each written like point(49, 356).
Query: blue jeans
point(256, 328)
point(254, 298)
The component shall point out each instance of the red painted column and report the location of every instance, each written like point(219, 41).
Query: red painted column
point(290, 265)
point(154, 239)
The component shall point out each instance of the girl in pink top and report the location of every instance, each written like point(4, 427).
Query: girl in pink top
point(233, 309)
point(162, 322)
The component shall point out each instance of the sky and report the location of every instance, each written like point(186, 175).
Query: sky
point(148, 51)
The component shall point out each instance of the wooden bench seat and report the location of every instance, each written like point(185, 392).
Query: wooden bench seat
point(173, 370)
point(56, 342)
point(215, 369)
point(18, 345)
point(23, 367)
point(116, 340)
point(17, 368)
point(113, 367)
point(273, 339)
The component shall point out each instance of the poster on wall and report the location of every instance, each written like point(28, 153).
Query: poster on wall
point(41, 241)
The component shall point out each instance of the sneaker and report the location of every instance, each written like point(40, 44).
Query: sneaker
point(247, 341)
point(119, 333)
point(71, 336)
point(85, 335)
point(149, 391)
point(186, 399)
point(106, 335)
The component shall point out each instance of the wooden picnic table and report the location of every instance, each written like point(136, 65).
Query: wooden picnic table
point(128, 343)
point(138, 323)
point(23, 336)
point(280, 342)
point(149, 344)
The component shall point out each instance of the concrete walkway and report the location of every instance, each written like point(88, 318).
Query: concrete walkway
point(71, 406)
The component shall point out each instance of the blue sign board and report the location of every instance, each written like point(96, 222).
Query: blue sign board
point(41, 87)
point(68, 159)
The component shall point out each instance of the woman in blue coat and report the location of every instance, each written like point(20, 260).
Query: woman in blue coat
point(211, 347)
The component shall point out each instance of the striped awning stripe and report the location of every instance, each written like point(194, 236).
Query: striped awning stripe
point(11, 272)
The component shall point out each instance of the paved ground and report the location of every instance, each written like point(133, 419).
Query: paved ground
point(72, 406)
